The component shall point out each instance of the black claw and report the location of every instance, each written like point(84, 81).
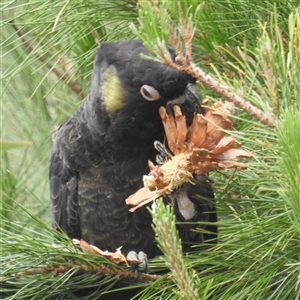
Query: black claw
point(135, 268)
point(163, 154)
point(136, 271)
point(144, 259)
point(159, 159)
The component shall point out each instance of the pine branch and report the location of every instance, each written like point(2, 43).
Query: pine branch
point(81, 268)
point(168, 239)
point(184, 63)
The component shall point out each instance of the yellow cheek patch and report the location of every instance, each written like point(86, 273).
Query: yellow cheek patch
point(112, 91)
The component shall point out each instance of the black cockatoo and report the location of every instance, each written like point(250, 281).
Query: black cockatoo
point(101, 153)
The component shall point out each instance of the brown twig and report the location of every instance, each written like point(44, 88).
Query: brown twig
point(84, 268)
point(60, 75)
point(239, 101)
point(183, 63)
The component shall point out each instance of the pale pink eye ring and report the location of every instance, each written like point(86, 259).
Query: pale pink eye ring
point(149, 93)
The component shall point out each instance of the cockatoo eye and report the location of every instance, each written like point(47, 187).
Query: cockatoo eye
point(149, 93)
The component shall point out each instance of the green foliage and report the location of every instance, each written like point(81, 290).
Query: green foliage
point(169, 242)
point(252, 47)
point(32, 267)
point(289, 151)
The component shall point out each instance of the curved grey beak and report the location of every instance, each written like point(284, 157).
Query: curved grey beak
point(189, 103)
